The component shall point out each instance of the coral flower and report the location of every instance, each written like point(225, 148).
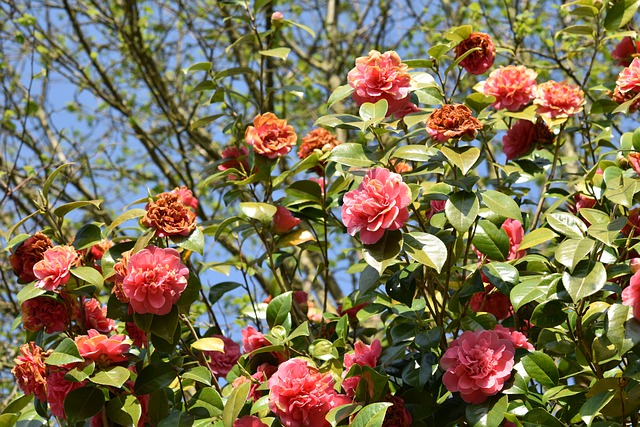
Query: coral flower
point(513, 87)
point(631, 295)
point(270, 136)
point(57, 390)
point(30, 370)
point(452, 121)
point(234, 158)
point(381, 76)
point(477, 364)
point(378, 204)
point(53, 271)
point(481, 60)
point(27, 254)
point(629, 78)
point(283, 221)
point(173, 213)
point(363, 355)
point(101, 349)
point(221, 363)
point(518, 339)
point(93, 315)
point(515, 232)
point(252, 339)
point(155, 280)
point(46, 313)
point(558, 100)
point(301, 396)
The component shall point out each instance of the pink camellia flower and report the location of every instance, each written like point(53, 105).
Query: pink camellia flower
point(235, 158)
point(397, 415)
point(93, 315)
point(558, 100)
point(277, 16)
point(270, 136)
point(513, 87)
point(515, 232)
point(378, 204)
point(248, 421)
point(53, 270)
point(581, 201)
point(518, 339)
point(481, 60)
point(625, 51)
point(263, 373)
point(491, 301)
point(381, 76)
point(155, 280)
point(222, 363)
point(30, 370)
point(629, 78)
point(435, 206)
point(631, 295)
point(283, 221)
point(185, 195)
point(57, 389)
point(477, 364)
point(252, 339)
point(137, 335)
point(103, 350)
point(519, 140)
point(363, 355)
point(46, 313)
point(301, 396)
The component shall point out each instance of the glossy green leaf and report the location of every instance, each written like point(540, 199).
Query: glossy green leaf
point(620, 14)
point(418, 153)
point(47, 184)
point(66, 352)
point(86, 236)
point(278, 309)
point(427, 249)
point(567, 224)
point(586, 279)
point(193, 242)
point(371, 415)
point(83, 403)
point(549, 314)
point(374, 112)
point(502, 204)
point(200, 374)
point(538, 417)
point(114, 377)
point(491, 241)
point(607, 232)
point(261, 211)
point(124, 410)
point(530, 289)
point(487, 414)
point(154, 377)
point(479, 101)
point(164, 326)
point(350, 154)
point(570, 252)
point(501, 275)
point(206, 403)
point(124, 217)
point(279, 52)
point(594, 405)
point(29, 292)
point(541, 368)
point(384, 252)
point(62, 210)
point(89, 275)
point(209, 344)
point(236, 401)
point(461, 210)
point(464, 158)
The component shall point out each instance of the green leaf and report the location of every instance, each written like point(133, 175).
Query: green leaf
point(177, 419)
point(124, 217)
point(217, 291)
point(479, 101)
point(491, 241)
point(203, 121)
point(206, 403)
point(114, 377)
point(339, 94)
point(418, 153)
point(371, 415)
point(594, 405)
point(16, 406)
point(541, 368)
point(536, 238)
point(29, 292)
point(622, 330)
point(350, 154)
point(427, 249)
point(383, 253)
point(549, 314)
point(164, 326)
point(199, 66)
point(83, 403)
point(89, 275)
point(209, 344)
point(124, 410)
point(538, 417)
point(62, 210)
point(570, 252)
point(200, 374)
point(278, 309)
point(502, 205)
point(193, 242)
point(47, 184)
point(80, 372)
point(461, 210)
point(87, 236)
point(323, 349)
point(261, 211)
point(342, 412)
point(530, 289)
point(587, 278)
point(488, 414)
point(567, 224)
point(302, 27)
point(607, 232)
point(579, 30)
point(374, 112)
point(501, 275)
point(620, 14)
point(236, 401)
point(154, 377)
point(66, 352)
point(464, 157)
point(279, 52)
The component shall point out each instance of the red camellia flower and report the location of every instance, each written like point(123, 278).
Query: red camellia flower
point(491, 301)
point(27, 254)
point(378, 204)
point(252, 339)
point(57, 389)
point(53, 270)
point(46, 313)
point(301, 396)
point(222, 363)
point(235, 158)
point(155, 280)
point(625, 51)
point(248, 421)
point(631, 295)
point(515, 232)
point(137, 335)
point(519, 140)
point(93, 315)
point(513, 87)
point(518, 339)
point(363, 355)
point(477, 364)
point(30, 370)
point(103, 350)
point(452, 121)
point(270, 136)
point(481, 60)
point(381, 76)
point(283, 221)
point(633, 224)
point(397, 414)
point(558, 100)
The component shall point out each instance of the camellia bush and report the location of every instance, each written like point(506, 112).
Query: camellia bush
point(488, 209)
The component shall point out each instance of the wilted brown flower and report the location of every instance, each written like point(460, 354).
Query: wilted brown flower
point(544, 135)
point(621, 98)
point(170, 216)
point(27, 254)
point(452, 121)
point(318, 139)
